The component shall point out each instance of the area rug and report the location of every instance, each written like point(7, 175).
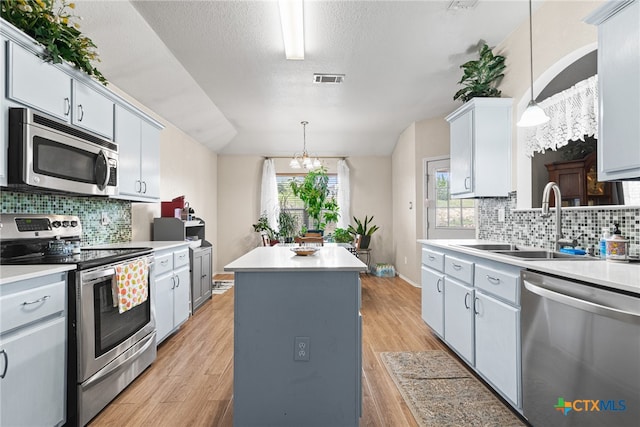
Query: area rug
point(221, 286)
point(440, 392)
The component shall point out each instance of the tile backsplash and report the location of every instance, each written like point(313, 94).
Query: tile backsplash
point(88, 209)
point(527, 228)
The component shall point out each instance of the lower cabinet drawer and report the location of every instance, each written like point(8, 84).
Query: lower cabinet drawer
point(22, 307)
point(181, 258)
point(458, 268)
point(164, 263)
point(433, 259)
point(499, 283)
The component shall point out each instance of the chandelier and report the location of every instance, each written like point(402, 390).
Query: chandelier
point(304, 160)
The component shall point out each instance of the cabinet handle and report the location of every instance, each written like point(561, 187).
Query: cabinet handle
point(173, 282)
point(6, 363)
point(178, 281)
point(456, 266)
point(493, 280)
point(81, 111)
point(144, 183)
point(438, 285)
point(138, 185)
point(44, 298)
point(467, 183)
point(164, 262)
point(203, 276)
point(475, 306)
point(466, 304)
point(67, 106)
point(431, 257)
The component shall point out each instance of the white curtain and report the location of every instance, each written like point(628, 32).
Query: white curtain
point(573, 113)
point(269, 195)
point(344, 200)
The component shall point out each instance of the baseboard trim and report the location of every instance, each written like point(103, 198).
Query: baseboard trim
point(406, 279)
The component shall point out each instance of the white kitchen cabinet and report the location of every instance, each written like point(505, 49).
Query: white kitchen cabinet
point(92, 110)
point(481, 314)
point(433, 299)
point(172, 290)
point(4, 115)
point(46, 87)
point(38, 84)
point(497, 330)
point(480, 148)
point(139, 166)
point(618, 89)
point(459, 318)
point(33, 351)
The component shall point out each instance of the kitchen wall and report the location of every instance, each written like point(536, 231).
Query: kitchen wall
point(527, 228)
point(239, 181)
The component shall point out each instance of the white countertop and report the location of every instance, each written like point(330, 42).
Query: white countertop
point(616, 275)
point(156, 245)
point(282, 259)
point(15, 273)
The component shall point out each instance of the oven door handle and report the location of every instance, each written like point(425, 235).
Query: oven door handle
point(101, 375)
point(90, 277)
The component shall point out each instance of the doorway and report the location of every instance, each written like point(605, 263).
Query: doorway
point(444, 217)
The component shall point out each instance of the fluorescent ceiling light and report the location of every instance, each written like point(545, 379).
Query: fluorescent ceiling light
point(292, 21)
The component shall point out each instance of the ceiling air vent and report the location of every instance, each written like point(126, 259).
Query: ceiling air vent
point(328, 78)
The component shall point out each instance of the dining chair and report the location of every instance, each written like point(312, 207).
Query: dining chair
point(363, 252)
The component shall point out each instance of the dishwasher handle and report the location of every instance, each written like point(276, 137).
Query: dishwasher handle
point(622, 315)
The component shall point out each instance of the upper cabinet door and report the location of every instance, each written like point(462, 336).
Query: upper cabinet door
point(461, 154)
point(127, 135)
point(92, 110)
point(150, 160)
point(619, 89)
point(480, 134)
point(38, 84)
point(4, 115)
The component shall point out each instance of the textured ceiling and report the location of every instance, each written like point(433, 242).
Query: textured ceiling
point(216, 69)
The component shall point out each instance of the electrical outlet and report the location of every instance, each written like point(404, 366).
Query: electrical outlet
point(501, 215)
point(104, 219)
point(301, 349)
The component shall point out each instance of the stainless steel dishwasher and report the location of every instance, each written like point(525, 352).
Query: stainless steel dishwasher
point(580, 353)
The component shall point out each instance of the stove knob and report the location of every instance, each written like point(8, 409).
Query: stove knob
point(74, 223)
point(65, 224)
point(56, 224)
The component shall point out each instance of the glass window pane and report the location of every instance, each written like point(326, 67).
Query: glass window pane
point(468, 217)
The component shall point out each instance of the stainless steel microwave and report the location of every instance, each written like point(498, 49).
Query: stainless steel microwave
point(49, 154)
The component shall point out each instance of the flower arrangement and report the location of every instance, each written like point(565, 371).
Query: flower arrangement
point(52, 24)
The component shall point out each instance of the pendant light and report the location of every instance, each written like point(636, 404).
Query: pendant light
point(533, 115)
point(304, 160)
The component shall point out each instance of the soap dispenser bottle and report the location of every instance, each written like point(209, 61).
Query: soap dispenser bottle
point(603, 242)
point(617, 245)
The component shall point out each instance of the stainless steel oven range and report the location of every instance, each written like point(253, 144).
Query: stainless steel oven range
point(106, 349)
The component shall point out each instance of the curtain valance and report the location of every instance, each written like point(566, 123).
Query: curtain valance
point(573, 113)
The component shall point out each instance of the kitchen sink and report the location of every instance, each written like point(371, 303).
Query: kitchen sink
point(542, 254)
point(492, 247)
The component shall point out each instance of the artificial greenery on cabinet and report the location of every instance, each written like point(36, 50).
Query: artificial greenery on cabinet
point(480, 77)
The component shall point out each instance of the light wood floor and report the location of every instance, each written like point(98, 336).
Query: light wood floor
point(190, 383)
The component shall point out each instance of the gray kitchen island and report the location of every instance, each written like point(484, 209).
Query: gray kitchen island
point(297, 338)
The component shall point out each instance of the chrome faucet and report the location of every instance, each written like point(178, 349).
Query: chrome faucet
point(559, 241)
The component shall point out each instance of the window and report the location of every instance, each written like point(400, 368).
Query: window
point(452, 213)
point(293, 204)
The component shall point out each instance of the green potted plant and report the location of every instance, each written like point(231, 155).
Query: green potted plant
point(363, 229)
point(480, 77)
point(263, 226)
point(52, 25)
point(341, 235)
point(318, 201)
point(288, 224)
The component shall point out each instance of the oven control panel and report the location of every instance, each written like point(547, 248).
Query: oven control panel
point(24, 226)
